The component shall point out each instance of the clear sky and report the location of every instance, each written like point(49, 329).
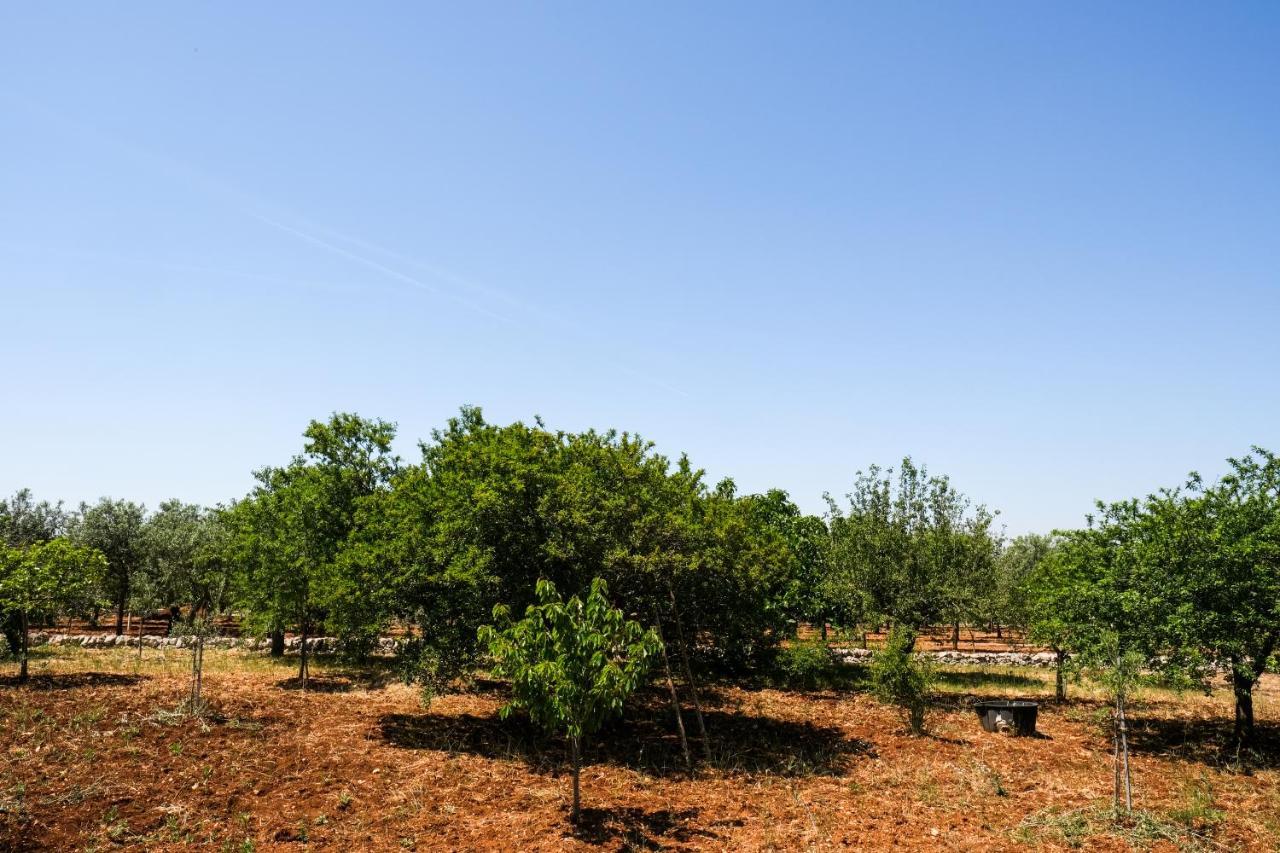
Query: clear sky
point(1035, 247)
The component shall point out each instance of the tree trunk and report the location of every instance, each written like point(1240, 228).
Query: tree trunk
point(277, 643)
point(26, 648)
point(1060, 682)
point(675, 697)
point(120, 611)
point(998, 637)
point(577, 774)
point(302, 648)
point(1242, 687)
point(688, 674)
point(955, 636)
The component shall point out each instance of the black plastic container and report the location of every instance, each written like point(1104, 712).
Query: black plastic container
point(1006, 715)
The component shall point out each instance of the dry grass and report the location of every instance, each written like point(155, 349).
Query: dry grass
point(92, 760)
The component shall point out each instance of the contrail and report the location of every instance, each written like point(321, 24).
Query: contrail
point(246, 204)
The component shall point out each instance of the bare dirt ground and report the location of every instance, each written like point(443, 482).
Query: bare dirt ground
point(92, 760)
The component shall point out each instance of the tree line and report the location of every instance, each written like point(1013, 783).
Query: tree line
point(346, 540)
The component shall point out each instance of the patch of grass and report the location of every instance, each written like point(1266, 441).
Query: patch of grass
point(1139, 829)
point(1200, 814)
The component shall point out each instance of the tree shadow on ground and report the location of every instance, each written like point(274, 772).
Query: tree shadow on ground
point(639, 829)
point(319, 684)
point(1210, 742)
point(72, 680)
point(643, 740)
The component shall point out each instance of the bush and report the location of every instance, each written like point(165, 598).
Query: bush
point(805, 665)
point(898, 678)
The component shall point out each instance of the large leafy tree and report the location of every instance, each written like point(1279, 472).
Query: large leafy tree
point(114, 527)
point(43, 578)
point(289, 533)
point(1204, 561)
point(572, 663)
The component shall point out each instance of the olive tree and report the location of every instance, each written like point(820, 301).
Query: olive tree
point(114, 527)
point(572, 663)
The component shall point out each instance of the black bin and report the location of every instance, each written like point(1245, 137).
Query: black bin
point(1008, 715)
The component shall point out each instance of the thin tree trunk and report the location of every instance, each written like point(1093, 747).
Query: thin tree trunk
point(955, 636)
point(675, 697)
point(1060, 681)
point(23, 675)
point(688, 674)
point(120, 611)
point(141, 622)
point(302, 667)
point(277, 643)
point(1124, 756)
point(577, 773)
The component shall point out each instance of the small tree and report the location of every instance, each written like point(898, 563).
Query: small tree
point(571, 663)
point(43, 578)
point(900, 679)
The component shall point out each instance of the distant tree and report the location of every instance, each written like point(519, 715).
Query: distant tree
point(114, 527)
point(911, 549)
point(572, 663)
point(289, 533)
point(188, 562)
point(1009, 604)
point(25, 522)
point(803, 582)
point(43, 578)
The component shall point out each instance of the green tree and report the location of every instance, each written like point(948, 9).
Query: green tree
point(25, 522)
point(289, 533)
point(1009, 604)
point(188, 562)
point(572, 663)
point(911, 549)
point(114, 527)
point(43, 578)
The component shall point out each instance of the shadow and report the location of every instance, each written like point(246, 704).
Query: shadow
point(638, 829)
point(1209, 742)
point(72, 680)
point(318, 684)
point(644, 740)
point(978, 680)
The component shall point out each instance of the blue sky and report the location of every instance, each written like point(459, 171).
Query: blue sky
point(1035, 247)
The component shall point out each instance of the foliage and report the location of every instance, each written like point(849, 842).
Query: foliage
point(25, 522)
point(806, 665)
point(900, 678)
point(46, 577)
point(289, 533)
point(114, 527)
point(911, 549)
point(572, 663)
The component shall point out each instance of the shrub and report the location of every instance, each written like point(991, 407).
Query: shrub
point(900, 679)
point(805, 665)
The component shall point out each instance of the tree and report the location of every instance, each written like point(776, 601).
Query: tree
point(44, 577)
point(1066, 603)
point(289, 532)
point(1009, 604)
point(572, 663)
point(25, 522)
point(186, 548)
point(1204, 561)
point(911, 549)
point(114, 527)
